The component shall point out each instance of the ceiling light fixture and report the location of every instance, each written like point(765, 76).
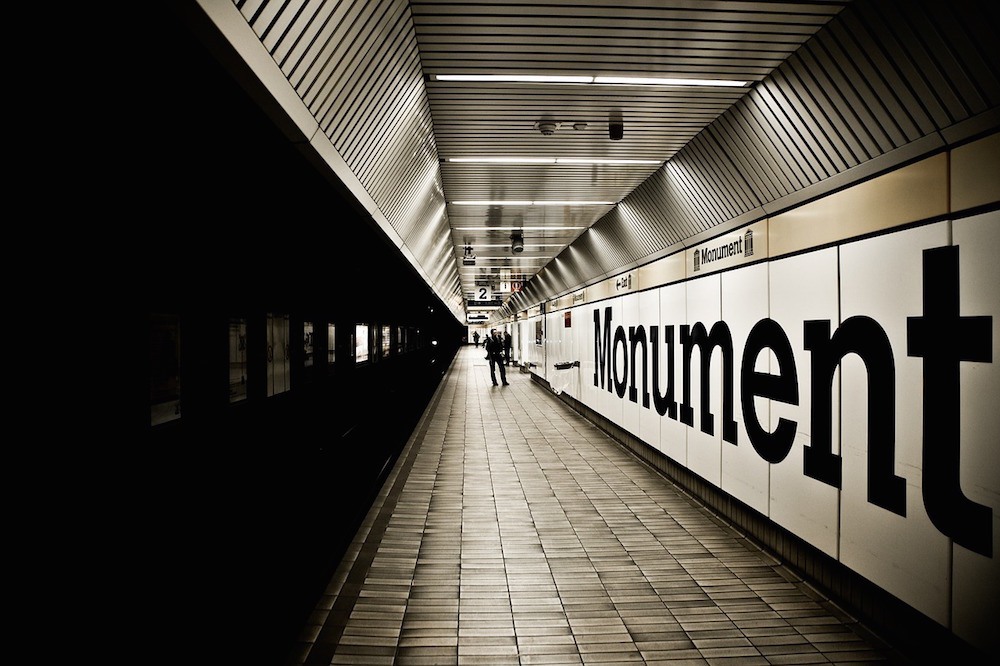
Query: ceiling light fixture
point(526, 246)
point(532, 203)
point(526, 269)
point(657, 81)
point(554, 228)
point(491, 203)
point(548, 160)
point(521, 250)
point(512, 78)
point(587, 160)
point(590, 80)
point(503, 160)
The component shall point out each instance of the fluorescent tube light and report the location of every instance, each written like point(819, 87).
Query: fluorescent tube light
point(553, 228)
point(573, 203)
point(532, 203)
point(653, 81)
point(513, 78)
point(547, 160)
point(526, 245)
point(491, 203)
point(595, 80)
point(587, 160)
point(504, 160)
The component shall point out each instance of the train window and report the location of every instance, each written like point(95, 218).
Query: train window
point(386, 341)
point(237, 359)
point(360, 343)
point(164, 369)
point(307, 344)
point(331, 343)
point(278, 365)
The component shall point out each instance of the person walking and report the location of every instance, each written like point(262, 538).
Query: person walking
point(475, 338)
point(494, 352)
point(508, 342)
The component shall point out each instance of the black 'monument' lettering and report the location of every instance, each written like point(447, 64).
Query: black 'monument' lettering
point(862, 336)
point(719, 337)
point(665, 403)
point(623, 383)
point(602, 352)
point(637, 338)
point(944, 338)
point(784, 387)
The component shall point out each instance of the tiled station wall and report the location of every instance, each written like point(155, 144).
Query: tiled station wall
point(901, 520)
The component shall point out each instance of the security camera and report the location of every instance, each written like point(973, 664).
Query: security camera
point(517, 244)
point(616, 130)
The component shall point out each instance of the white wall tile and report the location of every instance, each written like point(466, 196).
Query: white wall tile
point(649, 420)
point(607, 403)
point(583, 322)
point(673, 313)
point(803, 288)
point(744, 303)
point(976, 577)
point(705, 451)
point(882, 278)
point(630, 318)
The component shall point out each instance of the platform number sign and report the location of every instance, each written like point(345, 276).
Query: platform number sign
point(484, 294)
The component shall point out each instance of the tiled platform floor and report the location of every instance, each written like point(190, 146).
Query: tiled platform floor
point(513, 531)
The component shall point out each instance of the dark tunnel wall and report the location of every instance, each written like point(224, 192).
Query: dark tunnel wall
point(254, 503)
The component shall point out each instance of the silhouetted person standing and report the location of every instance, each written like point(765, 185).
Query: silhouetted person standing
point(475, 337)
point(494, 352)
point(508, 342)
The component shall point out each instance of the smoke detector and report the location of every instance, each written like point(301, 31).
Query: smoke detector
point(547, 127)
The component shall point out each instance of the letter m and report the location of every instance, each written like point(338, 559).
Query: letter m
point(720, 337)
point(602, 349)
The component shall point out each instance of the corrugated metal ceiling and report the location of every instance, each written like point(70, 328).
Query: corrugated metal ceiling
point(720, 40)
point(884, 83)
point(832, 84)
